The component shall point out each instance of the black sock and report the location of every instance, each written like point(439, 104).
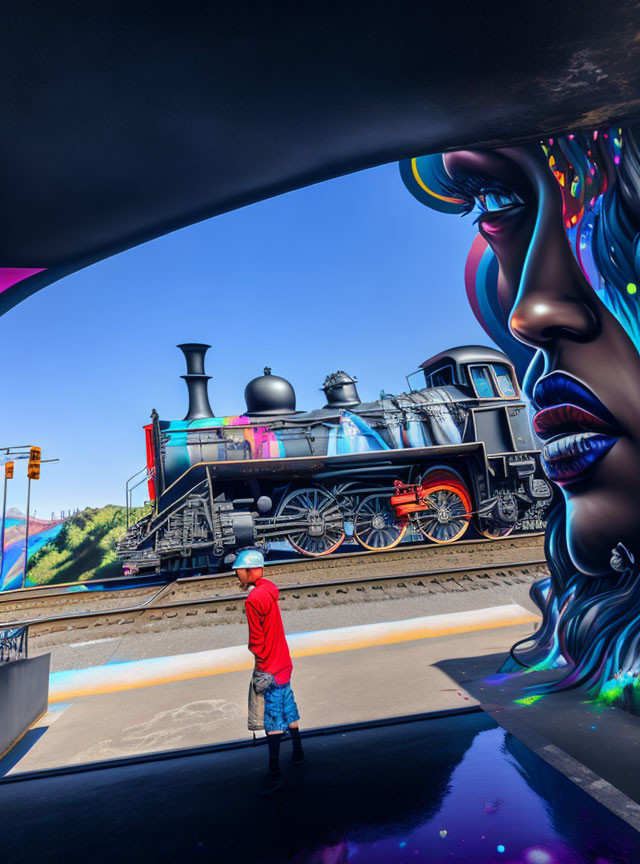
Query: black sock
point(295, 738)
point(274, 752)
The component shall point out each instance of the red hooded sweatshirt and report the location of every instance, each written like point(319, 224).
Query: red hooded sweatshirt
point(266, 632)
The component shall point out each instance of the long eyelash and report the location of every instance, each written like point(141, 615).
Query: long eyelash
point(469, 186)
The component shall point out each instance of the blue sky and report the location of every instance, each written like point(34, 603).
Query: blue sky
point(353, 274)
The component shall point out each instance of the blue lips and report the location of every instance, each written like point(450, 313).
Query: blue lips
point(559, 389)
point(566, 459)
point(569, 456)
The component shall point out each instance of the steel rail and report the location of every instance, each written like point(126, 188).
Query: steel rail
point(20, 607)
point(70, 589)
point(150, 612)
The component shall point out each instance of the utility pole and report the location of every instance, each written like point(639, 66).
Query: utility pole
point(8, 474)
point(26, 536)
point(33, 473)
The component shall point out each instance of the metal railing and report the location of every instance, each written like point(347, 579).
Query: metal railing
point(14, 644)
point(130, 487)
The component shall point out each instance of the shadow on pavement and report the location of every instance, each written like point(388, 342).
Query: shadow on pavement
point(16, 753)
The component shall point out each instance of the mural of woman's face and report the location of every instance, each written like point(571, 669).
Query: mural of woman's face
point(584, 381)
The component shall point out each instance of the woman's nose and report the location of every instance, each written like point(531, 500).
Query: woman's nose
point(540, 318)
point(554, 301)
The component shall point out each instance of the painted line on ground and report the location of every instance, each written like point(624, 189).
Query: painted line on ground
point(131, 674)
point(94, 641)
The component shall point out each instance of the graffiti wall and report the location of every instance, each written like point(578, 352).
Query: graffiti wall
point(40, 531)
point(553, 278)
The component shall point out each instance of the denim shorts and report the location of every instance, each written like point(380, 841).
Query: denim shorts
point(280, 708)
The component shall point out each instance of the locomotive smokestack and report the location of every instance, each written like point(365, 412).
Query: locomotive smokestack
point(197, 381)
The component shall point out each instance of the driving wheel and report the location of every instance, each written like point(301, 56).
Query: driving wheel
point(376, 525)
point(446, 516)
point(319, 524)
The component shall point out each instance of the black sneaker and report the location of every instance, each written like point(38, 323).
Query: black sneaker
point(298, 757)
point(270, 783)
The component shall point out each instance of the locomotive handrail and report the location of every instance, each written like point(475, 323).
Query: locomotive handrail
point(368, 468)
point(129, 489)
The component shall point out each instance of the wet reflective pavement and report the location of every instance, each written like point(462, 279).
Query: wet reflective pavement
point(453, 788)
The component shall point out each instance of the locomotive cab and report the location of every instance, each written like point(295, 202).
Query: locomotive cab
point(480, 372)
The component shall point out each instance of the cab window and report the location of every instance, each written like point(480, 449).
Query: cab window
point(504, 380)
point(441, 377)
point(481, 377)
point(416, 380)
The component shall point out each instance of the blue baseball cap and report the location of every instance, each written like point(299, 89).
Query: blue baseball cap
point(247, 559)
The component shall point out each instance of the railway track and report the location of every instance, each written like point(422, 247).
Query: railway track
point(52, 601)
point(229, 608)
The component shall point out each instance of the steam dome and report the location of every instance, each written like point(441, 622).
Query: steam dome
point(269, 394)
point(340, 390)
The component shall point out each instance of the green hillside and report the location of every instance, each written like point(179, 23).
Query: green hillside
point(85, 548)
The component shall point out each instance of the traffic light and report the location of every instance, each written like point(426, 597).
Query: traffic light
point(8, 470)
point(33, 468)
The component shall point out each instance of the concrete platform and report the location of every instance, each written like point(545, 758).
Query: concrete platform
point(383, 790)
point(343, 687)
point(340, 687)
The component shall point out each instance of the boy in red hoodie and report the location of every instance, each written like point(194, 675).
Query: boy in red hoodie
point(272, 673)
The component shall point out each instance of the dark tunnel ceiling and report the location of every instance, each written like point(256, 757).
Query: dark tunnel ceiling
point(123, 120)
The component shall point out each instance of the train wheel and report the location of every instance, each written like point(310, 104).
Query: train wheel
point(376, 525)
point(322, 525)
point(494, 530)
point(447, 515)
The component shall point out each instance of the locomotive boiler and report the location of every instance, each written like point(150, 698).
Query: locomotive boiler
point(456, 450)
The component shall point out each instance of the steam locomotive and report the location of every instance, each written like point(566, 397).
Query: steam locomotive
point(457, 449)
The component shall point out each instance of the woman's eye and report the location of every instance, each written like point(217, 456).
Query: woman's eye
point(491, 202)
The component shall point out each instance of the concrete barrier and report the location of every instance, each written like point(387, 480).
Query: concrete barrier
point(24, 694)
